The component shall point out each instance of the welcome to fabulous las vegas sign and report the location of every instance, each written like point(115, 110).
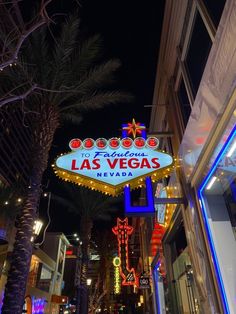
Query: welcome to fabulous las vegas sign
point(108, 165)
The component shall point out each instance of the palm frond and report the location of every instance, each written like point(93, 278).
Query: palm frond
point(72, 118)
point(88, 54)
point(39, 43)
point(87, 203)
point(65, 44)
point(99, 76)
point(65, 202)
point(65, 72)
point(99, 100)
point(64, 48)
point(104, 217)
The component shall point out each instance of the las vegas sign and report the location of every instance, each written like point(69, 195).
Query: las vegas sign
point(109, 165)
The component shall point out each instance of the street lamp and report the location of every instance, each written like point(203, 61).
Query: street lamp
point(38, 224)
point(73, 237)
point(37, 227)
point(89, 281)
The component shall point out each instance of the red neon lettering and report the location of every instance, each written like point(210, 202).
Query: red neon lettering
point(145, 163)
point(156, 163)
point(73, 165)
point(85, 165)
point(96, 164)
point(133, 163)
point(123, 163)
point(112, 164)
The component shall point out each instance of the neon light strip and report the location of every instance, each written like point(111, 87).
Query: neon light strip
point(204, 211)
point(124, 132)
point(140, 210)
point(212, 181)
point(232, 149)
point(156, 280)
point(143, 132)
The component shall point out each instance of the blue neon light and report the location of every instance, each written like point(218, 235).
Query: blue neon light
point(124, 132)
point(140, 210)
point(143, 132)
point(156, 280)
point(209, 234)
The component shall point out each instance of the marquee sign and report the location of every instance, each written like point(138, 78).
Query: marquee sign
point(108, 165)
point(122, 230)
point(144, 282)
point(116, 264)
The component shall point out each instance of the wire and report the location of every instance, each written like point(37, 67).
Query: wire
point(49, 221)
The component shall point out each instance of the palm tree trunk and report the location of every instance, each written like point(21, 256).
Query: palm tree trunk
point(46, 125)
point(85, 229)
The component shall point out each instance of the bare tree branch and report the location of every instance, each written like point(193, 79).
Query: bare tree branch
point(14, 98)
point(15, 37)
point(10, 97)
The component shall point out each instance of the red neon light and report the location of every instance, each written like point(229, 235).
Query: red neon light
point(69, 252)
point(126, 142)
point(75, 143)
point(156, 244)
point(139, 142)
point(122, 230)
point(114, 143)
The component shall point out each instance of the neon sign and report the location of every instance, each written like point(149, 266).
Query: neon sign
point(122, 230)
point(116, 264)
point(160, 208)
point(108, 165)
point(216, 261)
point(38, 305)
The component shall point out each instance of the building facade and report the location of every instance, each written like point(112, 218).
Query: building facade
point(45, 280)
point(194, 115)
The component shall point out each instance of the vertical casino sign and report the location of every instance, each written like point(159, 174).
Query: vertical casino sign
point(122, 230)
point(117, 283)
point(109, 165)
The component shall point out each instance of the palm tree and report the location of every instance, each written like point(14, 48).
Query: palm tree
point(10, 203)
point(66, 81)
point(89, 206)
point(106, 243)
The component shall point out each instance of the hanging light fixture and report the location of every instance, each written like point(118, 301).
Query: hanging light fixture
point(38, 224)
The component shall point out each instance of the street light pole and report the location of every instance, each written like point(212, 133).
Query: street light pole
point(76, 238)
point(77, 282)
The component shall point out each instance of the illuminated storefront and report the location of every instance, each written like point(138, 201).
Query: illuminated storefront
point(194, 108)
point(217, 197)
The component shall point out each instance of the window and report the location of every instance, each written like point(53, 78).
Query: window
point(199, 48)
point(184, 102)
point(45, 278)
point(60, 262)
point(33, 274)
point(215, 9)
point(218, 202)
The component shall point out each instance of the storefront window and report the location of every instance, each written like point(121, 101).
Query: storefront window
point(33, 273)
point(44, 282)
point(217, 196)
point(185, 286)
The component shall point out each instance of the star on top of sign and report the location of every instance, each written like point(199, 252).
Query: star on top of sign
point(134, 128)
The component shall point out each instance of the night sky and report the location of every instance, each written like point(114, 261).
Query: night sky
point(131, 32)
